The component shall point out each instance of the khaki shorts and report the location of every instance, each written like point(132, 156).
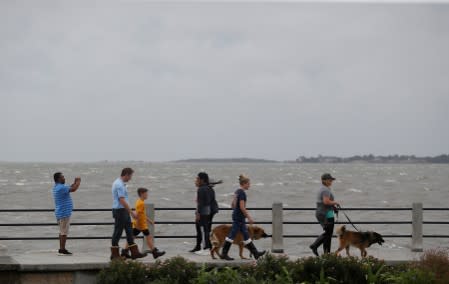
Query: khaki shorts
point(64, 226)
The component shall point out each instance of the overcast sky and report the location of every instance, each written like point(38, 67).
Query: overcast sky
point(135, 80)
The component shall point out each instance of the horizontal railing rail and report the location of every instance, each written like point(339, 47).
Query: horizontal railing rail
point(275, 222)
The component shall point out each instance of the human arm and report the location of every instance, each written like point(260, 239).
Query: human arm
point(150, 221)
point(242, 205)
point(76, 184)
point(125, 205)
point(329, 202)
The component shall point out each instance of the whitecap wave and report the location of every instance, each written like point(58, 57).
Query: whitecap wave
point(20, 183)
point(224, 205)
point(391, 181)
point(355, 190)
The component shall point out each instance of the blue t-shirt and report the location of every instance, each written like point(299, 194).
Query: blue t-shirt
point(119, 190)
point(237, 214)
point(63, 201)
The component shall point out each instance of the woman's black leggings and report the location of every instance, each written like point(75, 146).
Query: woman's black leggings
point(325, 238)
point(205, 223)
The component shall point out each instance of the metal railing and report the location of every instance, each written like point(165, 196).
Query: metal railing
point(277, 223)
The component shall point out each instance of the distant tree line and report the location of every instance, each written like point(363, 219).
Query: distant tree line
point(441, 159)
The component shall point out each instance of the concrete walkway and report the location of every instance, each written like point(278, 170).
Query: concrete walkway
point(51, 261)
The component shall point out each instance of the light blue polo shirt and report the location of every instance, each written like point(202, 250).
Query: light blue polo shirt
point(63, 201)
point(119, 190)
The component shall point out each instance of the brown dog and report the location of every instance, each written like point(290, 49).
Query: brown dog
point(219, 234)
point(360, 240)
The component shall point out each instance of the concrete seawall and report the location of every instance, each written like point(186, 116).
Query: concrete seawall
point(82, 268)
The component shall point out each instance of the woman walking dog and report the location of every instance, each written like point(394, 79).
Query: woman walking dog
point(239, 215)
point(325, 214)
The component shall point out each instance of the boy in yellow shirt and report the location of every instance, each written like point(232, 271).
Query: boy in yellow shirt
point(140, 225)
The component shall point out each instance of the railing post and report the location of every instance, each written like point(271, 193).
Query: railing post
point(149, 210)
point(277, 241)
point(417, 223)
point(3, 250)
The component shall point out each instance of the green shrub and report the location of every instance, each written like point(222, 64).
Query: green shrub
point(432, 268)
point(268, 267)
point(123, 272)
point(348, 270)
point(225, 275)
point(436, 262)
point(176, 270)
point(409, 276)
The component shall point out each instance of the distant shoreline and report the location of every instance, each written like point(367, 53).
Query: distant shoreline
point(367, 159)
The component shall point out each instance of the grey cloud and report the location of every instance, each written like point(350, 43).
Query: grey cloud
point(138, 80)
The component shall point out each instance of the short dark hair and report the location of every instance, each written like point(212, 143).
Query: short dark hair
point(57, 176)
point(127, 172)
point(204, 177)
point(141, 190)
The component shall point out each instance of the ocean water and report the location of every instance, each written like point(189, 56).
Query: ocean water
point(28, 185)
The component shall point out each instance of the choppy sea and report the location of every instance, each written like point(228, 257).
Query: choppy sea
point(28, 185)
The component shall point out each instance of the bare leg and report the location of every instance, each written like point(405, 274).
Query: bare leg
point(150, 242)
point(62, 241)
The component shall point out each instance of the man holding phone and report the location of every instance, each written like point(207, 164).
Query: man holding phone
point(63, 207)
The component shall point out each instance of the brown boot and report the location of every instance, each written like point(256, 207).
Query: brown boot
point(125, 253)
point(135, 252)
point(115, 253)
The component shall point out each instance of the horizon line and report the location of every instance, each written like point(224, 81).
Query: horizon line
point(221, 158)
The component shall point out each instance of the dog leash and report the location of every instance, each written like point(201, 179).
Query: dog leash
point(349, 220)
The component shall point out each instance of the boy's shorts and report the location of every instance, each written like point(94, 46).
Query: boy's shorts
point(64, 226)
point(145, 232)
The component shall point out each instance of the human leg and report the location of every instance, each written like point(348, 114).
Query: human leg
point(229, 241)
point(118, 227)
point(135, 253)
point(328, 230)
point(116, 235)
point(205, 224)
point(249, 244)
point(150, 242)
point(320, 239)
point(199, 237)
point(64, 225)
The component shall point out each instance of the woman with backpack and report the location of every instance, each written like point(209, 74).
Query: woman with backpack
point(207, 207)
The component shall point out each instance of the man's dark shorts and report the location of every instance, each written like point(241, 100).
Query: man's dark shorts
point(145, 232)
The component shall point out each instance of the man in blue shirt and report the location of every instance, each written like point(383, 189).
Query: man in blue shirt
point(121, 212)
point(63, 207)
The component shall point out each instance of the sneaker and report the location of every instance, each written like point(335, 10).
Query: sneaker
point(64, 252)
point(314, 250)
point(195, 249)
